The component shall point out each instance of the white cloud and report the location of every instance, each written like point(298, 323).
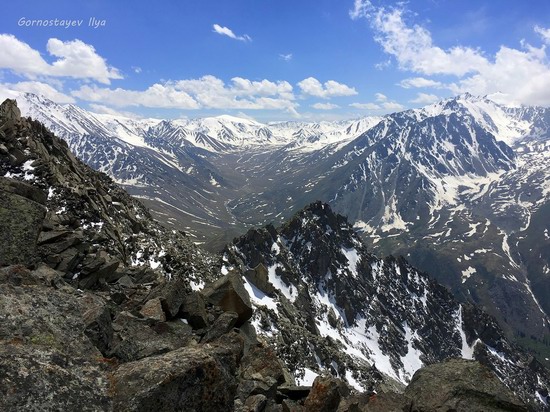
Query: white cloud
point(226, 31)
point(325, 106)
point(544, 33)
point(367, 106)
point(43, 89)
point(206, 92)
point(313, 87)
point(420, 82)
point(137, 69)
point(361, 8)
point(286, 57)
point(75, 59)
point(414, 50)
point(517, 75)
point(425, 98)
point(158, 95)
point(380, 97)
point(393, 106)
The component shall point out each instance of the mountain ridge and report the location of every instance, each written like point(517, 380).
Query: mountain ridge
point(452, 195)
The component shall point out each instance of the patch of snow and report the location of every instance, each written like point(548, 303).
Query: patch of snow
point(411, 361)
point(258, 297)
point(354, 382)
point(307, 379)
point(289, 291)
point(196, 286)
point(467, 273)
point(353, 257)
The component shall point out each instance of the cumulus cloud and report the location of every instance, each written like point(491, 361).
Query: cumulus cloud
point(517, 75)
point(420, 82)
point(393, 106)
point(226, 31)
point(380, 97)
point(365, 106)
point(74, 59)
point(325, 106)
point(207, 92)
point(425, 98)
point(313, 87)
point(43, 89)
point(286, 57)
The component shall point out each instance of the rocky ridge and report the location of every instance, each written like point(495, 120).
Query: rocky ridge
point(101, 308)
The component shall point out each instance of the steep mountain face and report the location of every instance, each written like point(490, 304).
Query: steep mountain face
point(459, 187)
point(325, 303)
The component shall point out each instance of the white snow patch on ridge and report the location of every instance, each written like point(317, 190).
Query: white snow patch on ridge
point(467, 273)
point(352, 257)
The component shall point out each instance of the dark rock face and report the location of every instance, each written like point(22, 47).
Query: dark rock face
point(22, 211)
point(46, 360)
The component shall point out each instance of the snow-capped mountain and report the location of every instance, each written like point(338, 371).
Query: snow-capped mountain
point(460, 187)
point(439, 186)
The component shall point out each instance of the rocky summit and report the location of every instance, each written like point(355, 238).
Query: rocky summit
point(104, 309)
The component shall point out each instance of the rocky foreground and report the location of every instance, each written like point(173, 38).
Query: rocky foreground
point(102, 309)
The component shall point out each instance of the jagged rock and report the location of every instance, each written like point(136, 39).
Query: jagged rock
point(255, 403)
point(460, 385)
point(261, 360)
point(22, 211)
point(261, 372)
point(97, 319)
point(153, 310)
point(326, 394)
point(104, 271)
point(9, 110)
point(193, 309)
point(171, 294)
point(191, 378)
point(223, 324)
point(248, 332)
point(136, 338)
point(127, 282)
point(229, 293)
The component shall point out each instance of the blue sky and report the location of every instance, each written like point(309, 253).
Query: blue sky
point(275, 60)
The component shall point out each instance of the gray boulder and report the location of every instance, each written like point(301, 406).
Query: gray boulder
point(462, 386)
point(187, 379)
point(229, 293)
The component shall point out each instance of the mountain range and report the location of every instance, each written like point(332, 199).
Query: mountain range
point(106, 309)
point(459, 187)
